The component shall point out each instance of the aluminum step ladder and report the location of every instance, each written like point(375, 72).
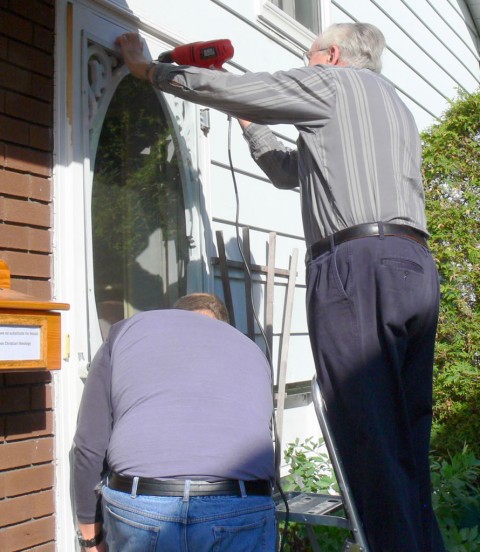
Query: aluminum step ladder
point(319, 509)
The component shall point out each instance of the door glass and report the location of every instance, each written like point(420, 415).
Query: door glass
point(140, 249)
point(306, 12)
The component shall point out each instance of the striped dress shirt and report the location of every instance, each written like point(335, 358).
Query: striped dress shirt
point(358, 154)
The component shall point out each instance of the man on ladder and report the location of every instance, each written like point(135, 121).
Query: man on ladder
point(372, 285)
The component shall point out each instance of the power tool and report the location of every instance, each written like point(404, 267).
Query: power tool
point(210, 55)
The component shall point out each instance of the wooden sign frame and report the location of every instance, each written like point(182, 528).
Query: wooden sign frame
point(13, 321)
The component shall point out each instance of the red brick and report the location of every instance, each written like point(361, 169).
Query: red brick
point(14, 78)
point(14, 400)
point(31, 265)
point(19, 454)
point(25, 535)
point(31, 58)
point(23, 81)
point(16, 510)
point(40, 289)
point(40, 137)
point(23, 426)
point(41, 188)
point(27, 160)
point(43, 88)
point(13, 130)
point(36, 11)
point(27, 480)
point(3, 46)
point(27, 212)
point(16, 184)
point(47, 547)
point(43, 39)
point(25, 185)
point(16, 27)
point(28, 239)
point(41, 398)
point(27, 378)
point(28, 109)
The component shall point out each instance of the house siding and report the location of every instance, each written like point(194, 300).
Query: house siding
point(27, 471)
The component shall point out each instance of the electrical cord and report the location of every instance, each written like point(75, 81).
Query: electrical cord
point(264, 337)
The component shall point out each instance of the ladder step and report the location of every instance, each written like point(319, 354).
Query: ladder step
point(311, 509)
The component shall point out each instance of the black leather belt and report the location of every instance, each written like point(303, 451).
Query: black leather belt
point(177, 487)
point(365, 231)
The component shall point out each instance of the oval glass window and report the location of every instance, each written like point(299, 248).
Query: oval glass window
point(140, 250)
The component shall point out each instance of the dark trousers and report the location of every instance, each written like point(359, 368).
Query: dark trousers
point(372, 306)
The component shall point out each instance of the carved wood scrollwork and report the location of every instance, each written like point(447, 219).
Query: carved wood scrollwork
point(102, 68)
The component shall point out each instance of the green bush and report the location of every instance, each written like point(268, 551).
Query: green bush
point(451, 171)
point(455, 498)
point(310, 471)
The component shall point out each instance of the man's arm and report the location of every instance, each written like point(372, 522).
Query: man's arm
point(90, 445)
point(303, 96)
point(90, 531)
point(279, 163)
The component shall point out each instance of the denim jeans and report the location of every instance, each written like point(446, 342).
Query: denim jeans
point(195, 524)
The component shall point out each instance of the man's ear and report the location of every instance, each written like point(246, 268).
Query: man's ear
point(334, 55)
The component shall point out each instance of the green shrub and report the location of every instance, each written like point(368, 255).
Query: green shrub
point(310, 471)
point(451, 173)
point(455, 498)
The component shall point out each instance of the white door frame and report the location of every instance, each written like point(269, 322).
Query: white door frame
point(100, 22)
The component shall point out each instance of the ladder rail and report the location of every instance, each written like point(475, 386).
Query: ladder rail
point(349, 504)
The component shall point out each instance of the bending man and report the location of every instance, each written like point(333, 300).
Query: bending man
point(176, 421)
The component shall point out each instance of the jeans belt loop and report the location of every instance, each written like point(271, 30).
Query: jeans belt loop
point(134, 487)
point(186, 491)
point(242, 489)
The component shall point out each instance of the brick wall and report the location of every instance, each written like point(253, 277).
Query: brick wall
point(27, 514)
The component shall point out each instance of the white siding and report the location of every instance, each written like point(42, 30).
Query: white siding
point(432, 49)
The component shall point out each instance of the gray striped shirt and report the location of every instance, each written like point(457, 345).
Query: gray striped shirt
point(358, 154)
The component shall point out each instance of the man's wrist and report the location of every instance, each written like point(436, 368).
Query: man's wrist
point(148, 68)
point(90, 543)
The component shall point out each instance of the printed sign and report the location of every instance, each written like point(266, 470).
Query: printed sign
point(20, 343)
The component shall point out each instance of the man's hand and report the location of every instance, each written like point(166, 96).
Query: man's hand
point(88, 531)
point(243, 123)
point(131, 47)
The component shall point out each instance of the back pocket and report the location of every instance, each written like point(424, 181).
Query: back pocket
point(240, 538)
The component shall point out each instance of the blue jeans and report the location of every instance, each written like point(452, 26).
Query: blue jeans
point(196, 524)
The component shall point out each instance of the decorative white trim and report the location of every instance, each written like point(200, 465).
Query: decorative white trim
point(120, 12)
point(276, 19)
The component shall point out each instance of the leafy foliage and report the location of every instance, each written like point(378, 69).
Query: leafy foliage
point(310, 468)
point(451, 171)
point(456, 500)
point(310, 471)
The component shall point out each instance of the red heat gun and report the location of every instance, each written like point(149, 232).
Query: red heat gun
point(211, 54)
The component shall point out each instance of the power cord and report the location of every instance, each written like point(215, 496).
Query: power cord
point(264, 337)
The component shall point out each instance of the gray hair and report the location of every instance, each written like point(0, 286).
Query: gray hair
point(361, 44)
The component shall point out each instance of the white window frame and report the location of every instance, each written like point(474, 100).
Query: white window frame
point(276, 19)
